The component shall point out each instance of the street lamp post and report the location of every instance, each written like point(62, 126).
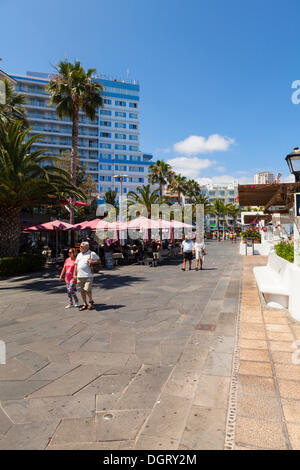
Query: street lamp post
point(121, 178)
point(293, 161)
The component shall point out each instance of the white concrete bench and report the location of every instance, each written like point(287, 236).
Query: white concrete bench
point(279, 282)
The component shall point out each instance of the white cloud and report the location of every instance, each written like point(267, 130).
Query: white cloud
point(225, 179)
point(190, 167)
point(220, 168)
point(195, 144)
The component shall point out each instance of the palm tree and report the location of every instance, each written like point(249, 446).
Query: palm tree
point(178, 185)
point(235, 212)
point(219, 210)
point(192, 189)
point(144, 197)
point(25, 182)
point(13, 108)
point(160, 173)
point(110, 197)
point(72, 90)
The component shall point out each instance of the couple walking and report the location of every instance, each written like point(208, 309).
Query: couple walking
point(188, 247)
point(78, 270)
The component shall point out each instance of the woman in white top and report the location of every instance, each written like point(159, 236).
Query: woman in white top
point(199, 249)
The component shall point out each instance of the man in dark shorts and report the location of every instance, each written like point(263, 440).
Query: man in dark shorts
point(187, 247)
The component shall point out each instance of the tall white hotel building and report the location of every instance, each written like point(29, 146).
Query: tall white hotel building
point(108, 146)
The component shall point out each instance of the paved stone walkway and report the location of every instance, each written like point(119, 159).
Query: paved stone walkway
point(268, 409)
point(148, 369)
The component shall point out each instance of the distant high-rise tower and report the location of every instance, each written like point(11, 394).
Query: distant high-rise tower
point(265, 177)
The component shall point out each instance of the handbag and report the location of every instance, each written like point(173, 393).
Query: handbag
point(95, 268)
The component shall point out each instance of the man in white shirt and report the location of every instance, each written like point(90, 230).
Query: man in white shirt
point(187, 247)
point(83, 274)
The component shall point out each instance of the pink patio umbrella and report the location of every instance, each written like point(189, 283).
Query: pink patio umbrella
point(52, 226)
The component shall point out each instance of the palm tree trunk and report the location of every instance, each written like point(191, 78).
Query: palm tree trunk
point(9, 231)
point(74, 154)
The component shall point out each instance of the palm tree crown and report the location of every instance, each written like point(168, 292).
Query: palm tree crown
point(144, 197)
point(13, 108)
point(160, 173)
point(178, 185)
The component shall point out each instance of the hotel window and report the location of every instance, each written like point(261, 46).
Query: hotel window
point(133, 105)
point(121, 167)
point(133, 147)
point(105, 167)
point(106, 101)
point(105, 123)
point(105, 134)
point(120, 157)
point(133, 137)
point(105, 146)
point(120, 103)
point(121, 125)
point(105, 156)
point(120, 136)
point(120, 147)
point(133, 126)
point(120, 114)
point(133, 115)
point(105, 112)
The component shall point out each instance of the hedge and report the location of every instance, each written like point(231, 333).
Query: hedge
point(285, 251)
point(21, 264)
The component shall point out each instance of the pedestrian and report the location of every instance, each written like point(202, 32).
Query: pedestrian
point(200, 251)
point(83, 274)
point(187, 248)
point(68, 270)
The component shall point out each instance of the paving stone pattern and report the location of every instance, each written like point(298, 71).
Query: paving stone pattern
point(139, 371)
point(268, 402)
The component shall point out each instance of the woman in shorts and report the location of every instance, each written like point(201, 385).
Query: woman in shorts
point(68, 270)
point(199, 248)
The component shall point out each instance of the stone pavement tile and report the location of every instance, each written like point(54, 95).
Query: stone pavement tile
point(218, 364)
point(32, 360)
point(261, 355)
point(114, 445)
point(289, 389)
point(121, 425)
point(262, 369)
point(281, 346)
point(171, 350)
point(259, 433)
point(253, 343)
point(80, 326)
point(296, 330)
point(202, 339)
point(14, 370)
point(223, 344)
point(75, 430)
point(5, 423)
point(226, 325)
point(230, 305)
point(291, 410)
point(148, 351)
point(275, 327)
point(107, 384)
point(108, 401)
point(281, 357)
point(106, 360)
point(294, 435)
point(252, 331)
point(182, 383)
point(144, 390)
point(205, 429)
point(279, 336)
point(124, 343)
point(45, 409)
point(76, 341)
point(71, 382)
point(53, 371)
point(212, 392)
point(168, 417)
point(44, 348)
point(95, 346)
point(29, 436)
point(286, 371)
point(259, 407)
point(275, 319)
point(15, 389)
point(193, 357)
point(253, 385)
point(156, 443)
point(131, 366)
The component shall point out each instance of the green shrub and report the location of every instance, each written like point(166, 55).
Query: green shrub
point(21, 264)
point(285, 251)
point(251, 233)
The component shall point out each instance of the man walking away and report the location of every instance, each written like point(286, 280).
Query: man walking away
point(187, 248)
point(83, 274)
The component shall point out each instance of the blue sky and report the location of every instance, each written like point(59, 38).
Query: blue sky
point(206, 68)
